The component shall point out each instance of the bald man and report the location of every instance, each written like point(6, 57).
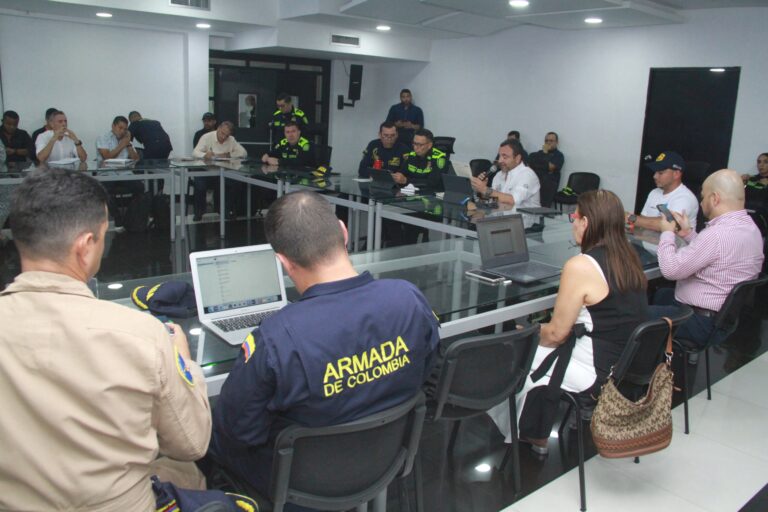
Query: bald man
point(728, 251)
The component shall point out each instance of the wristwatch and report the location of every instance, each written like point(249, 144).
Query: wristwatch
point(79, 143)
point(631, 218)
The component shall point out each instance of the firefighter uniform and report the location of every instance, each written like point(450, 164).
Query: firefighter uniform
point(347, 349)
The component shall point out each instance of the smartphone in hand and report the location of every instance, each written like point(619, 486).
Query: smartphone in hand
point(668, 214)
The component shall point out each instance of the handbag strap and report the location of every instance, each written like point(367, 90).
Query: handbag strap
point(668, 350)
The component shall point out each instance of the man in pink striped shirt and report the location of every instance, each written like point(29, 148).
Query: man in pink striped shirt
point(728, 251)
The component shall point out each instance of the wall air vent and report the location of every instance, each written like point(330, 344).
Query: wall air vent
point(345, 40)
point(197, 4)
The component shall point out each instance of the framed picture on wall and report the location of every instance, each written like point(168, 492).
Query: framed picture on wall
point(246, 108)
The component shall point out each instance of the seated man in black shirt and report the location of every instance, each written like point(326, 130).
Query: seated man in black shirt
point(386, 152)
point(293, 150)
point(18, 145)
point(551, 155)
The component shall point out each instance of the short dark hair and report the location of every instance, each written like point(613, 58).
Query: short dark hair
point(51, 112)
point(515, 145)
point(52, 207)
point(302, 227)
point(514, 133)
point(133, 113)
point(119, 119)
point(387, 124)
point(405, 90)
point(284, 96)
point(291, 123)
point(557, 137)
point(11, 114)
point(424, 133)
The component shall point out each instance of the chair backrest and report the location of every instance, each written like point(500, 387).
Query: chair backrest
point(323, 154)
point(479, 166)
point(581, 182)
point(743, 294)
point(646, 347)
point(444, 144)
point(342, 466)
point(480, 372)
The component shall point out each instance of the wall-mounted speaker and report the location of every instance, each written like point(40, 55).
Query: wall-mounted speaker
point(355, 81)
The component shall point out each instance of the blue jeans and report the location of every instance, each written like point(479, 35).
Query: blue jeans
point(698, 328)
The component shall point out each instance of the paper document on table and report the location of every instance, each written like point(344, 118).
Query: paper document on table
point(362, 180)
point(409, 190)
point(64, 161)
point(117, 161)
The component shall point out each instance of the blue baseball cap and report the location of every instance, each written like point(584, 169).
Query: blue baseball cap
point(667, 160)
point(171, 298)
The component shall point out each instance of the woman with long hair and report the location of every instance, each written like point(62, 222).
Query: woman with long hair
point(603, 288)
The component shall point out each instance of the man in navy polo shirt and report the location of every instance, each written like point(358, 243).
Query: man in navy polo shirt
point(406, 116)
point(351, 346)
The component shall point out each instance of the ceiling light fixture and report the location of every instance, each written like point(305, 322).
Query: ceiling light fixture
point(518, 4)
point(717, 70)
point(383, 28)
point(593, 21)
point(483, 468)
point(104, 14)
point(203, 25)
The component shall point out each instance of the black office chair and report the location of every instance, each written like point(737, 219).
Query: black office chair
point(323, 155)
point(578, 183)
point(478, 373)
point(693, 178)
point(632, 373)
point(479, 166)
point(345, 466)
point(444, 144)
point(726, 321)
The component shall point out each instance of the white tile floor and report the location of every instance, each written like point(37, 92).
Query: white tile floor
point(718, 467)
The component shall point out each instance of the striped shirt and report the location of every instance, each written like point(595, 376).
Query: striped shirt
point(728, 251)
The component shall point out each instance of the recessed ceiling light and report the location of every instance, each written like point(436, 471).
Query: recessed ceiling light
point(104, 14)
point(115, 286)
point(519, 4)
point(383, 28)
point(203, 25)
point(717, 70)
point(593, 21)
point(195, 331)
point(483, 468)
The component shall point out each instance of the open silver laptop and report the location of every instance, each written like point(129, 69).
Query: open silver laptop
point(504, 250)
point(237, 288)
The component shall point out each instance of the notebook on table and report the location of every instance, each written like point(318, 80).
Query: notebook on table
point(504, 250)
point(236, 289)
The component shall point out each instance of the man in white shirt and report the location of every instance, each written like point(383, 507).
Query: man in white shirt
point(514, 184)
point(668, 169)
point(59, 142)
point(219, 144)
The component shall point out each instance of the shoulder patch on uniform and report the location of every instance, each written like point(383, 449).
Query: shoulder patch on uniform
point(249, 347)
point(183, 368)
point(440, 163)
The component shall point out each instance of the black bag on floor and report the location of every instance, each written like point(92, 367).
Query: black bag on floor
point(137, 214)
point(161, 211)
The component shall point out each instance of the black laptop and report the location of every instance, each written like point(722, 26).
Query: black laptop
point(504, 250)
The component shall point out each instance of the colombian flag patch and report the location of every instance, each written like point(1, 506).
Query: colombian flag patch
point(183, 368)
point(249, 347)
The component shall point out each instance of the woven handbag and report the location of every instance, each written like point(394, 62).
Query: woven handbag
point(623, 428)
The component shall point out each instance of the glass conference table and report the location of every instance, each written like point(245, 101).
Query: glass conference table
point(438, 268)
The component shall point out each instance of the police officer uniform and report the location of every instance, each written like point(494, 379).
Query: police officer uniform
point(347, 349)
point(279, 120)
point(302, 154)
point(390, 158)
point(91, 391)
point(425, 171)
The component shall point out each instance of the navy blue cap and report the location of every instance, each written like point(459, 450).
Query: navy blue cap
point(667, 160)
point(171, 298)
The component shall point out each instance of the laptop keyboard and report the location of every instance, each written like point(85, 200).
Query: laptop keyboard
point(242, 322)
point(534, 268)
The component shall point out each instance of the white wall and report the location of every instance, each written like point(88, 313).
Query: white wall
point(94, 73)
point(589, 86)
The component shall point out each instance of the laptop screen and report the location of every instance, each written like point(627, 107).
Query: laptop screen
point(240, 280)
point(502, 240)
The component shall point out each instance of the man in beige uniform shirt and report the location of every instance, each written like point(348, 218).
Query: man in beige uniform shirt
point(92, 392)
point(219, 144)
